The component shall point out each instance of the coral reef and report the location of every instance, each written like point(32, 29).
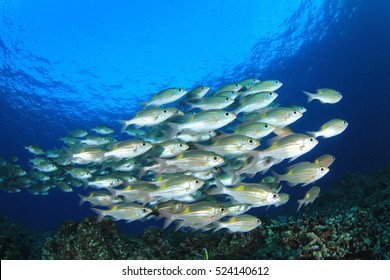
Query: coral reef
point(17, 243)
point(332, 228)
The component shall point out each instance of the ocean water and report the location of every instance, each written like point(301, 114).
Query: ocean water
point(67, 65)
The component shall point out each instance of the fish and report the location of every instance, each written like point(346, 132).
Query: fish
point(231, 145)
point(309, 197)
point(230, 87)
point(124, 211)
point(280, 116)
point(324, 95)
point(35, 150)
point(325, 160)
point(263, 86)
point(87, 155)
point(148, 117)
point(255, 130)
point(192, 160)
point(231, 94)
point(213, 102)
point(96, 140)
point(289, 147)
point(197, 93)
point(166, 96)
point(196, 215)
point(188, 136)
point(79, 173)
point(241, 223)
point(46, 167)
point(255, 102)
point(79, 133)
point(106, 181)
point(204, 121)
point(254, 195)
point(330, 129)
point(102, 129)
point(127, 149)
point(249, 82)
point(171, 148)
point(102, 198)
point(302, 173)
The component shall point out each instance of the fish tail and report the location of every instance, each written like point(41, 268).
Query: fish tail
point(277, 176)
point(82, 199)
point(220, 189)
point(190, 105)
point(174, 130)
point(168, 220)
point(310, 96)
point(145, 104)
point(125, 124)
point(101, 213)
point(312, 133)
point(163, 165)
point(300, 203)
point(217, 228)
point(200, 147)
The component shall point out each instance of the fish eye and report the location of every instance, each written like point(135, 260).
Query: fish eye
point(227, 98)
point(135, 162)
point(295, 112)
point(215, 158)
point(179, 89)
point(251, 141)
point(118, 180)
point(322, 169)
point(222, 209)
point(237, 85)
point(275, 196)
point(276, 82)
point(105, 139)
point(258, 220)
point(344, 122)
point(270, 93)
point(266, 126)
point(202, 87)
point(165, 111)
point(311, 139)
point(144, 210)
point(227, 114)
point(177, 112)
point(197, 181)
point(333, 158)
point(143, 144)
point(180, 145)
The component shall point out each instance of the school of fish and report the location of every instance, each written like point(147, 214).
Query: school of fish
point(186, 157)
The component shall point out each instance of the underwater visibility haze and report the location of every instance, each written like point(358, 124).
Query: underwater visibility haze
point(220, 120)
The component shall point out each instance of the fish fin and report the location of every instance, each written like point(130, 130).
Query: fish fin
point(277, 176)
point(273, 140)
point(124, 124)
point(312, 133)
point(101, 213)
point(300, 203)
point(291, 184)
point(163, 165)
point(291, 159)
point(168, 221)
point(220, 189)
point(174, 129)
point(310, 96)
point(82, 199)
point(145, 104)
point(283, 131)
point(200, 147)
point(217, 228)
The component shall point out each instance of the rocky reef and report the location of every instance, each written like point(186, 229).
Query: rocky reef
point(349, 221)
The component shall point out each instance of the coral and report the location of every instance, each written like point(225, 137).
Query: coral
point(87, 240)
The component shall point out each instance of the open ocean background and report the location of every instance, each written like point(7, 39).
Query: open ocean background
point(73, 64)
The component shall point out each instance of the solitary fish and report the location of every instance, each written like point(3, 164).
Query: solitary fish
point(310, 196)
point(324, 95)
point(329, 129)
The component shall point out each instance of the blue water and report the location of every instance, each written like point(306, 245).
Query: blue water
point(68, 65)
